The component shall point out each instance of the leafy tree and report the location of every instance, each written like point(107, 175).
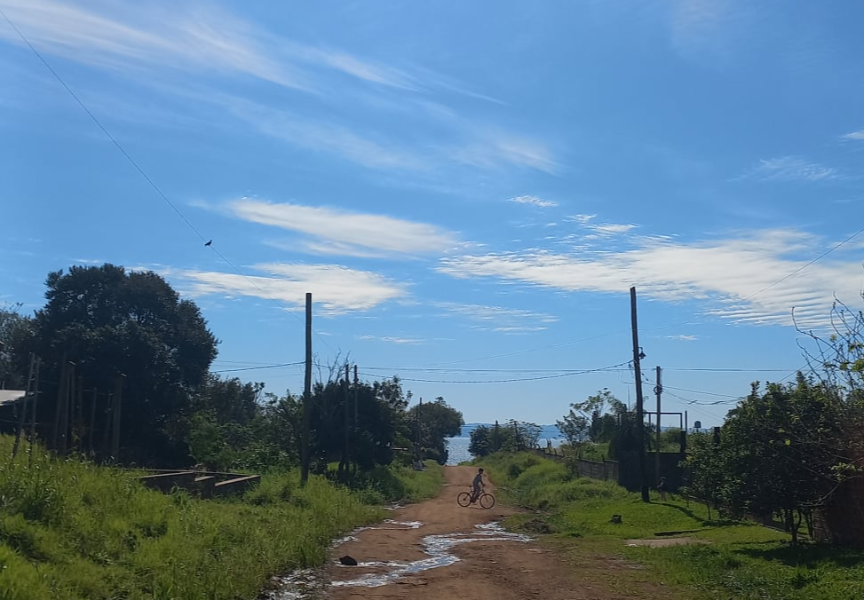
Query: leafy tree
point(574, 427)
point(480, 442)
point(437, 421)
point(15, 333)
point(228, 400)
point(706, 471)
point(519, 435)
point(785, 452)
point(111, 322)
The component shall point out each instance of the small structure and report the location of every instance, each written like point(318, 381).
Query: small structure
point(10, 400)
point(206, 484)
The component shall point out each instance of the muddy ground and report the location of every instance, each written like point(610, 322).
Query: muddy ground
point(399, 559)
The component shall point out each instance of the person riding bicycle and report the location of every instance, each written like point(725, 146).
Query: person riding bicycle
point(478, 486)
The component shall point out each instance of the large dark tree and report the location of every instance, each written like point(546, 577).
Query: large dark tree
point(111, 322)
point(437, 421)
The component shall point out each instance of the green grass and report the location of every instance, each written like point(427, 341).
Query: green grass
point(739, 561)
point(73, 530)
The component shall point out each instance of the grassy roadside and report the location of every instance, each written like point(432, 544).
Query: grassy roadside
point(731, 560)
point(76, 531)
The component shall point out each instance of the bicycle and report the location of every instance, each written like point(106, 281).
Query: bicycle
point(464, 499)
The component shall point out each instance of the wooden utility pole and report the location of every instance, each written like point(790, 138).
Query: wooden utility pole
point(91, 432)
point(78, 424)
point(116, 411)
point(658, 389)
point(61, 392)
point(23, 414)
point(346, 453)
point(109, 408)
point(65, 407)
point(35, 406)
point(640, 417)
point(418, 437)
point(307, 396)
point(356, 384)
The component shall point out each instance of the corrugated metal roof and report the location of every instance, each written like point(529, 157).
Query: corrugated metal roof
point(11, 396)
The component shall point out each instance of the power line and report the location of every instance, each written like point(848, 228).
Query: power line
point(280, 366)
point(514, 380)
point(102, 127)
point(141, 171)
point(802, 267)
point(669, 387)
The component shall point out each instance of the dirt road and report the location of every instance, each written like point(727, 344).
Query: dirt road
point(393, 556)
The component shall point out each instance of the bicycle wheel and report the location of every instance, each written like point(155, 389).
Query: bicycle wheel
point(487, 500)
point(463, 499)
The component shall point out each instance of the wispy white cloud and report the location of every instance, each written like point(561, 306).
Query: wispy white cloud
point(336, 231)
point(198, 54)
point(498, 318)
point(499, 150)
point(855, 135)
point(201, 41)
point(608, 229)
point(207, 39)
point(534, 201)
point(683, 338)
point(336, 289)
point(601, 229)
point(736, 278)
point(791, 169)
point(391, 339)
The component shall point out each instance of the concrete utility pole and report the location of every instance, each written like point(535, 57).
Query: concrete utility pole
point(640, 418)
point(658, 389)
point(307, 396)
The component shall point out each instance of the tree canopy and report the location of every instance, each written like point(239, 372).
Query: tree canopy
point(111, 322)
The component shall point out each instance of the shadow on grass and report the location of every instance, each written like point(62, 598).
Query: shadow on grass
point(805, 555)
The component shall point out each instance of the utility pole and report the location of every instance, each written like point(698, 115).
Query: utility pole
point(658, 389)
point(417, 450)
point(307, 396)
point(23, 415)
point(640, 418)
point(115, 429)
point(61, 391)
point(65, 407)
point(356, 414)
point(91, 432)
point(347, 409)
point(35, 406)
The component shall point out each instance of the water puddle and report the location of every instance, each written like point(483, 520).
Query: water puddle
point(438, 547)
point(307, 584)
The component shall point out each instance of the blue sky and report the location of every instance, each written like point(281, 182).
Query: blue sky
point(467, 189)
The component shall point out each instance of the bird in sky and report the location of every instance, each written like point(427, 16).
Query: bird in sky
point(209, 243)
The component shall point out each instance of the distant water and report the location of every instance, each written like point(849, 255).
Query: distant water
point(458, 446)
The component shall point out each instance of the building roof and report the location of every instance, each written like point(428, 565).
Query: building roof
point(11, 396)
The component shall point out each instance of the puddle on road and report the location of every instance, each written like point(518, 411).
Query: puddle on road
point(306, 584)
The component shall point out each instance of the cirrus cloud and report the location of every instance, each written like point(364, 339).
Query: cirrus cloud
point(737, 278)
point(337, 231)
